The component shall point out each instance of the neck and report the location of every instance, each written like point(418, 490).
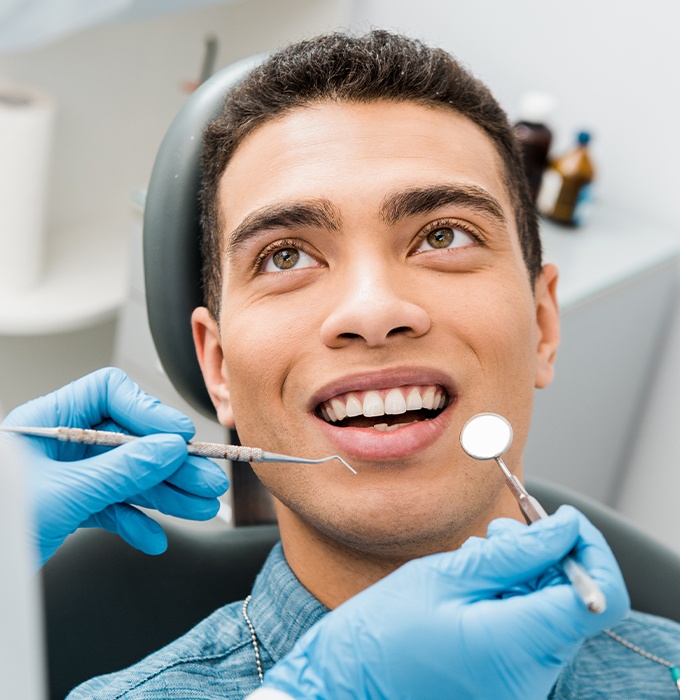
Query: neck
point(334, 572)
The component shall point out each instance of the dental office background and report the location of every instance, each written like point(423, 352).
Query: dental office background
point(117, 71)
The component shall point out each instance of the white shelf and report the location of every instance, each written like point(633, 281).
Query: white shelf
point(614, 246)
point(84, 283)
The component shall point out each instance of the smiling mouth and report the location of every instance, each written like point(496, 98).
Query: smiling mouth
point(385, 410)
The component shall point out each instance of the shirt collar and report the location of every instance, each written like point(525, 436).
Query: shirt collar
point(281, 608)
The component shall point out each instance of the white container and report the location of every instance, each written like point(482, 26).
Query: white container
point(26, 124)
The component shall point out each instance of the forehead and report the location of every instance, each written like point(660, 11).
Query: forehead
point(357, 153)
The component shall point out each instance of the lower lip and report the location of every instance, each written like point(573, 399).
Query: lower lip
point(377, 445)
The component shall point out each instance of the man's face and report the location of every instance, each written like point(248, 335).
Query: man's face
point(374, 299)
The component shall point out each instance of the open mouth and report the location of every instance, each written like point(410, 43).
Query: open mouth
point(385, 410)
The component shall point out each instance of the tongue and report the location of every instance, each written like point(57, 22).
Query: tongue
point(364, 422)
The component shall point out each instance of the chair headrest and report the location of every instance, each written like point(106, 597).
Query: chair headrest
point(172, 260)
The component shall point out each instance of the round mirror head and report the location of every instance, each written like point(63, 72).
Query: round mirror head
point(486, 436)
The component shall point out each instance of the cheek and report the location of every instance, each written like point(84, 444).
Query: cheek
point(507, 351)
point(261, 343)
point(501, 320)
point(498, 326)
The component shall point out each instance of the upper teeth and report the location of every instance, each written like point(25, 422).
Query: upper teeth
point(386, 401)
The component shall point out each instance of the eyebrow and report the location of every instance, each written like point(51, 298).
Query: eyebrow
point(319, 213)
point(424, 200)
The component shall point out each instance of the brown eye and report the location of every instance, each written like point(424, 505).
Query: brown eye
point(445, 238)
point(440, 238)
point(286, 258)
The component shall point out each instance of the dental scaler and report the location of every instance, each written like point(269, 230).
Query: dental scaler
point(235, 453)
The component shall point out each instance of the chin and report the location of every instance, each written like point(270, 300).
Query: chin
point(395, 532)
point(399, 544)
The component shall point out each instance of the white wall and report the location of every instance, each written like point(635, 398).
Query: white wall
point(612, 68)
point(118, 87)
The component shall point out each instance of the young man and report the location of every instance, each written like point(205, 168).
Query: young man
point(373, 279)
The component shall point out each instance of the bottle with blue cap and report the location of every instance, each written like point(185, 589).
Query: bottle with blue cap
point(566, 192)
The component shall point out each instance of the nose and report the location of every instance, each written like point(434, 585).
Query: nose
point(372, 307)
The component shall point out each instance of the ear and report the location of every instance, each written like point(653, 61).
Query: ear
point(208, 345)
point(548, 325)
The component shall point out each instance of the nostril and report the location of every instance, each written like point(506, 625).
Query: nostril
point(394, 331)
point(355, 320)
point(391, 333)
point(349, 335)
point(401, 329)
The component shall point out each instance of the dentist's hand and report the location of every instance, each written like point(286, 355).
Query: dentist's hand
point(491, 620)
point(86, 486)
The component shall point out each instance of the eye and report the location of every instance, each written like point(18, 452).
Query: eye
point(445, 237)
point(288, 259)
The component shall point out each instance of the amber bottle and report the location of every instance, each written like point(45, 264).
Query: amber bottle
point(566, 190)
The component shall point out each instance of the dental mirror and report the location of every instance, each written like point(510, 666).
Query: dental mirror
point(486, 436)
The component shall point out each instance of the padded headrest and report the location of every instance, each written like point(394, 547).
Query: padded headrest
point(172, 260)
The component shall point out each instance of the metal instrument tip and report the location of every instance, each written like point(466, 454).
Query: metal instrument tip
point(340, 459)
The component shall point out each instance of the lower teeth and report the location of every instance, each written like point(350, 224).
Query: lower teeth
point(385, 428)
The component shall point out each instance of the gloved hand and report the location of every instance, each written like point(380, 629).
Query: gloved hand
point(491, 620)
point(86, 486)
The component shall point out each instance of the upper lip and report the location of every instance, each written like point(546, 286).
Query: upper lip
point(382, 379)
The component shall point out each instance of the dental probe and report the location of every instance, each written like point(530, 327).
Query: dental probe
point(106, 438)
point(488, 436)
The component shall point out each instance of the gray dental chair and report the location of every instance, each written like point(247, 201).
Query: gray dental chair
point(108, 605)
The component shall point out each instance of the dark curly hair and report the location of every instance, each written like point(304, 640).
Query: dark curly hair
point(377, 66)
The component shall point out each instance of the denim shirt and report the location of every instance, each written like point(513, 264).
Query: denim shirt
point(216, 660)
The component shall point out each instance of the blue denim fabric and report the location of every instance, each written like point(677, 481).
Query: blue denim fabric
point(216, 660)
point(604, 669)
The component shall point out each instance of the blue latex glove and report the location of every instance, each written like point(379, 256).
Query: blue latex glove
point(491, 620)
point(86, 486)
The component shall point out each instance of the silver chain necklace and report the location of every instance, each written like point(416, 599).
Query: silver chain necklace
point(674, 670)
point(253, 636)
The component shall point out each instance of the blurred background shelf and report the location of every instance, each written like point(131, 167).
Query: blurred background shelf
point(84, 283)
point(615, 246)
point(617, 292)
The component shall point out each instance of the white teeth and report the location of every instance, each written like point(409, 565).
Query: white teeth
point(414, 401)
point(385, 428)
point(353, 406)
point(428, 399)
point(373, 405)
point(338, 409)
point(395, 402)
